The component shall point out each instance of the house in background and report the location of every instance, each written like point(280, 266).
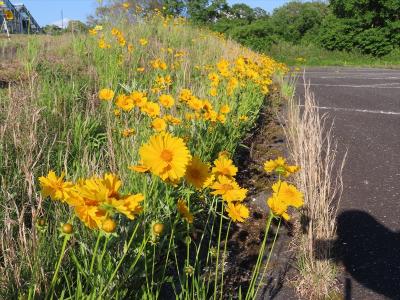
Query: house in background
point(22, 21)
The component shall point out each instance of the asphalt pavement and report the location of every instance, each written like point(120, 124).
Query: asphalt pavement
point(365, 107)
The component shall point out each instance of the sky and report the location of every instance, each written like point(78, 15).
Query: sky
point(49, 11)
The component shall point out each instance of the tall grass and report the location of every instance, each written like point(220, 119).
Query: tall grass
point(55, 121)
point(313, 147)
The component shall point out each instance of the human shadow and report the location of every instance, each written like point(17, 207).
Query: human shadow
point(369, 251)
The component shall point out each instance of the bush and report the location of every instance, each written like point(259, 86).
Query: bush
point(374, 41)
point(346, 34)
point(257, 35)
point(293, 20)
point(336, 34)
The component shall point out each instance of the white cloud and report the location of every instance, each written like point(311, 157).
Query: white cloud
point(63, 23)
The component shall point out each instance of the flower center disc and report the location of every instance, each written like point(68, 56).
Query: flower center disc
point(166, 155)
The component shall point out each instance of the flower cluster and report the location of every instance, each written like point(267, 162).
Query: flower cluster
point(95, 200)
point(169, 158)
point(224, 184)
point(284, 195)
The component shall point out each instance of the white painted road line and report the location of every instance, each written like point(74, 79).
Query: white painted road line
point(358, 110)
point(358, 77)
point(375, 86)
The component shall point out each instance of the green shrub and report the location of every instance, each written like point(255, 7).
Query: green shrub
point(374, 41)
point(336, 34)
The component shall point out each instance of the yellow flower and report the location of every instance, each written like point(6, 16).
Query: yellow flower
point(232, 85)
point(143, 42)
point(140, 69)
point(243, 118)
point(197, 172)
point(224, 109)
point(159, 124)
point(54, 186)
point(128, 132)
point(121, 41)
point(288, 193)
point(211, 116)
point(158, 64)
point(189, 116)
point(139, 98)
point(117, 112)
point(172, 120)
point(183, 210)
point(278, 207)
point(115, 31)
point(124, 102)
point(130, 48)
point(139, 168)
point(129, 205)
point(166, 156)
point(126, 5)
point(223, 67)
point(92, 31)
point(185, 95)
point(103, 44)
point(213, 92)
point(228, 189)
point(237, 212)
point(207, 106)
point(166, 100)
point(98, 28)
point(106, 94)
point(91, 215)
point(214, 78)
point(195, 104)
point(279, 166)
point(224, 166)
point(151, 109)
point(221, 118)
point(209, 181)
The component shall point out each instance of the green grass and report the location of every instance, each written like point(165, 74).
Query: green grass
point(317, 56)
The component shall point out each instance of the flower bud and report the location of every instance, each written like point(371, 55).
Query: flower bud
point(109, 225)
point(158, 228)
point(67, 228)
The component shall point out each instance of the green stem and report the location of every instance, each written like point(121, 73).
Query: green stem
point(166, 260)
point(256, 270)
point(103, 251)
point(269, 256)
point(217, 260)
point(95, 252)
point(57, 269)
point(223, 257)
point(153, 267)
point(121, 260)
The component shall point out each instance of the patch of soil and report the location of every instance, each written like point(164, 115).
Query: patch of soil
point(266, 141)
point(11, 73)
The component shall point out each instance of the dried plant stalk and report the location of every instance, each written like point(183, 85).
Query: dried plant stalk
point(313, 147)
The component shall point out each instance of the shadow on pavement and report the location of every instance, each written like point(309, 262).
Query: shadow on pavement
point(369, 251)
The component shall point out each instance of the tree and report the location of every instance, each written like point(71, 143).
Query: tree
point(368, 13)
point(242, 11)
point(205, 11)
point(294, 19)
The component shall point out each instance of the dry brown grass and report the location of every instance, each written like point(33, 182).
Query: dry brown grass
point(313, 147)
